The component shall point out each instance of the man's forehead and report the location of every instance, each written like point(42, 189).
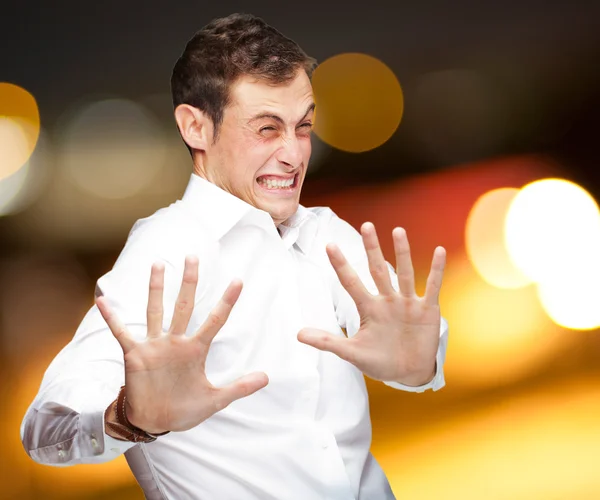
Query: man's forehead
point(250, 95)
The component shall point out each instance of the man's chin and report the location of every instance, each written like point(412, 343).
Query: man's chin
point(281, 214)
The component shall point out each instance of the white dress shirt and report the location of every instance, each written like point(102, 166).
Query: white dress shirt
point(305, 436)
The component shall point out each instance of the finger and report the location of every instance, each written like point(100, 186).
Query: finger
point(377, 265)
point(404, 267)
point(154, 313)
point(187, 294)
point(117, 328)
point(434, 280)
point(348, 277)
point(220, 313)
point(325, 341)
point(241, 388)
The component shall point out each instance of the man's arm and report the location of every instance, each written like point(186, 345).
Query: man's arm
point(65, 423)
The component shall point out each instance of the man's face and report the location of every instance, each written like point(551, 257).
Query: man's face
point(263, 147)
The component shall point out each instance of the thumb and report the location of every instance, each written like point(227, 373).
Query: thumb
point(325, 341)
point(242, 387)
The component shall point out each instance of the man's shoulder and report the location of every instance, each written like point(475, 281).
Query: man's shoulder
point(331, 223)
point(333, 229)
point(168, 234)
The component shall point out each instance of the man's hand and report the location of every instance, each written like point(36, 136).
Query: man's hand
point(399, 331)
point(166, 384)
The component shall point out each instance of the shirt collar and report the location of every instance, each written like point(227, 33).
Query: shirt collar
point(220, 211)
point(300, 228)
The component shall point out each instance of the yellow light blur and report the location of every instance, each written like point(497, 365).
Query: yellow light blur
point(553, 230)
point(359, 102)
point(19, 127)
point(498, 336)
point(484, 240)
point(11, 187)
point(573, 303)
point(21, 189)
point(524, 447)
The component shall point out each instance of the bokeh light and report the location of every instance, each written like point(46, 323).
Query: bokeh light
point(522, 447)
point(19, 190)
point(573, 302)
point(553, 230)
point(484, 240)
point(19, 127)
point(112, 148)
point(498, 336)
point(359, 102)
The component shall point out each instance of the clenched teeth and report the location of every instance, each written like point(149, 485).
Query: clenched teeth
point(276, 183)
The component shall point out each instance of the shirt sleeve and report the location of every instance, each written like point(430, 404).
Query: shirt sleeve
point(65, 423)
point(350, 243)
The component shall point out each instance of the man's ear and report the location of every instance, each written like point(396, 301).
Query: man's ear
point(195, 127)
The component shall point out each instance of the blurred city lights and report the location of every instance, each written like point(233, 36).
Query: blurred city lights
point(112, 149)
point(498, 335)
point(359, 102)
point(67, 216)
point(525, 446)
point(11, 187)
point(573, 302)
point(553, 230)
point(14, 147)
point(484, 240)
point(19, 127)
point(22, 188)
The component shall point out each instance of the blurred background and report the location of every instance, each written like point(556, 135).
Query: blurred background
point(474, 125)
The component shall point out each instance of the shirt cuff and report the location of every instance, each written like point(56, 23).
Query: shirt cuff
point(87, 441)
point(438, 381)
point(94, 441)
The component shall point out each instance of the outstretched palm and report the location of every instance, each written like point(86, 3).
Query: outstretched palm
point(399, 331)
point(166, 384)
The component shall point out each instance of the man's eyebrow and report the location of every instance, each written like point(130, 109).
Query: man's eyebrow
point(308, 110)
point(278, 118)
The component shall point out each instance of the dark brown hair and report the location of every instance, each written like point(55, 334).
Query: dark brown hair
point(226, 49)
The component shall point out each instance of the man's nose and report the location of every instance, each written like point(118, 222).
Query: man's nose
point(290, 153)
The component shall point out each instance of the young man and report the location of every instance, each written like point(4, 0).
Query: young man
point(156, 384)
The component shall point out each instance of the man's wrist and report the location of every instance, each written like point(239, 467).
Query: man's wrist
point(117, 425)
point(419, 379)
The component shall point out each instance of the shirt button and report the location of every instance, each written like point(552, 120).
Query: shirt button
point(61, 454)
point(94, 443)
